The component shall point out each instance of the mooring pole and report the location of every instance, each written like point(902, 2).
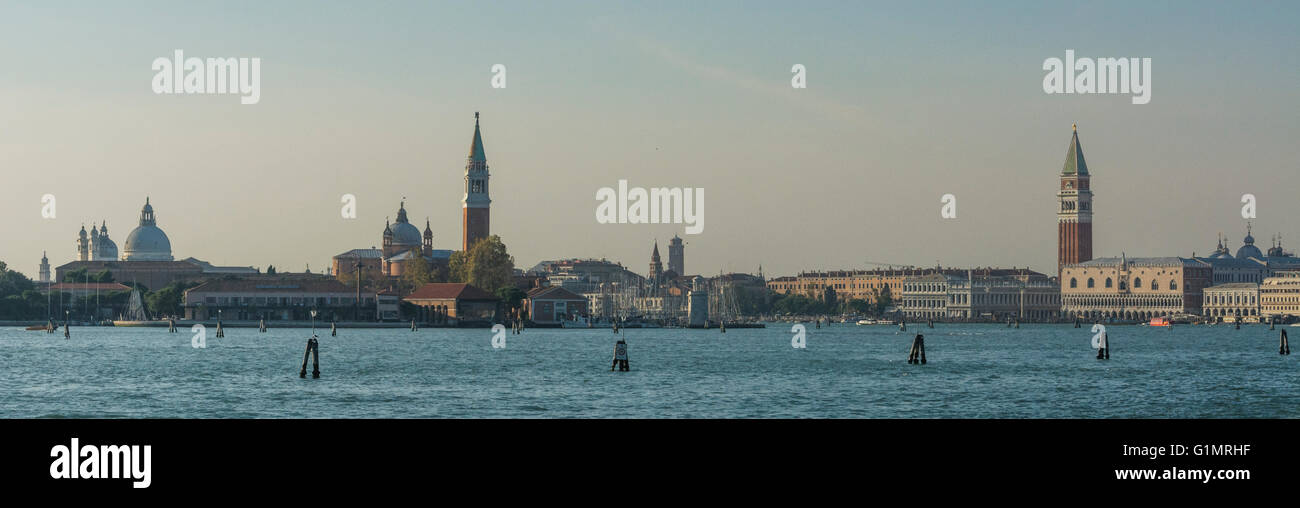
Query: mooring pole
point(1283, 347)
point(315, 358)
point(303, 373)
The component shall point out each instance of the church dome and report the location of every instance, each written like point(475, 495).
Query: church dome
point(405, 234)
point(1249, 250)
point(147, 242)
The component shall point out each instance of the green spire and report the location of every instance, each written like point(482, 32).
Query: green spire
point(1074, 163)
point(476, 147)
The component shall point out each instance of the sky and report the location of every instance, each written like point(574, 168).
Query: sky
point(905, 102)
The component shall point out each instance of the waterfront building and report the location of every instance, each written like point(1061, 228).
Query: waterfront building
point(925, 297)
point(981, 295)
point(475, 205)
point(1134, 288)
point(872, 285)
point(1231, 301)
point(1074, 211)
point(277, 297)
point(553, 305)
point(1279, 296)
point(453, 303)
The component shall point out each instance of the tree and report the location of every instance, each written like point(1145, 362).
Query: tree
point(486, 265)
point(167, 301)
point(883, 299)
point(416, 273)
point(512, 296)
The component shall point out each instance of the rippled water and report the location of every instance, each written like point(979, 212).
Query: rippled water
point(986, 371)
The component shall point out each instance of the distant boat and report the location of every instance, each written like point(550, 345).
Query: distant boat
point(866, 321)
point(1159, 322)
point(885, 322)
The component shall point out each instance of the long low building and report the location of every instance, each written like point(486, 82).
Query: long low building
point(278, 298)
point(453, 303)
point(979, 295)
point(1134, 288)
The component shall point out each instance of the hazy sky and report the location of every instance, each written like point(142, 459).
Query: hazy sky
point(906, 101)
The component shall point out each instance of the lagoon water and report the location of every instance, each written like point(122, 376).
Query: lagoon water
point(846, 371)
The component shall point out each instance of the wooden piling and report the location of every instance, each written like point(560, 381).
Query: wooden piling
point(220, 332)
point(916, 355)
point(261, 326)
point(413, 325)
point(1270, 323)
point(334, 330)
point(171, 326)
point(67, 330)
point(1283, 346)
point(1103, 352)
point(306, 353)
point(315, 358)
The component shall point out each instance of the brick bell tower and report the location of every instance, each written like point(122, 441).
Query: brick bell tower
point(1074, 216)
point(476, 202)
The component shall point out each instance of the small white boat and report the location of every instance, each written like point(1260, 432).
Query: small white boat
point(866, 321)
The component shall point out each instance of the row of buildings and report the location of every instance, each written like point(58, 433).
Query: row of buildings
point(1250, 285)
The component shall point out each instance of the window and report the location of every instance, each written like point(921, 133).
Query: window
point(1173, 284)
point(1137, 283)
point(1091, 283)
point(1155, 285)
point(1109, 283)
point(1074, 283)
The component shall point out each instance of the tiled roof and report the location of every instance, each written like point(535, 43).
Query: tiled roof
point(363, 253)
point(276, 285)
point(553, 293)
point(447, 290)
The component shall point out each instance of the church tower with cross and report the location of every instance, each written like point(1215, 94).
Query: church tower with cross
point(476, 204)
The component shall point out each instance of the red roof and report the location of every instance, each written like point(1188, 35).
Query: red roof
point(447, 290)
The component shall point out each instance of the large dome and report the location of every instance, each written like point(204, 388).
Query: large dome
point(147, 242)
point(1249, 250)
point(405, 234)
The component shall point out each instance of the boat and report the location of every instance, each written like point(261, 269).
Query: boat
point(1159, 322)
point(885, 322)
point(866, 321)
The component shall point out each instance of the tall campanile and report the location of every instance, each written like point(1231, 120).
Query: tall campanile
point(476, 202)
point(1074, 217)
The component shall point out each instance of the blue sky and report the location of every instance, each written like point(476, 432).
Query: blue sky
point(906, 101)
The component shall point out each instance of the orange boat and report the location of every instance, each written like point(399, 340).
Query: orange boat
point(1160, 322)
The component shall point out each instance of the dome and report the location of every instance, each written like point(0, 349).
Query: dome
point(405, 234)
point(147, 242)
point(106, 249)
point(1249, 250)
